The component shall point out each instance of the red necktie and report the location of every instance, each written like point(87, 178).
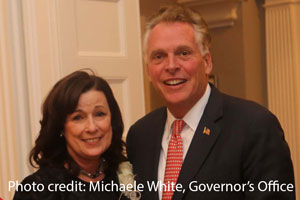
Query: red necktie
point(174, 160)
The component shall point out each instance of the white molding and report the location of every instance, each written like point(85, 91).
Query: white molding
point(45, 46)
point(122, 28)
point(8, 164)
point(100, 54)
point(32, 64)
point(54, 41)
point(273, 3)
point(283, 66)
point(20, 97)
point(217, 13)
point(205, 2)
point(122, 51)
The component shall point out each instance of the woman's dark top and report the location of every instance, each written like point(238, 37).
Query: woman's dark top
point(59, 184)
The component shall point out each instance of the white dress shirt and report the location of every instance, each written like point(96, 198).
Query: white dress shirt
point(192, 119)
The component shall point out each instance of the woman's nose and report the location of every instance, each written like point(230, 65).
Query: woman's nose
point(91, 126)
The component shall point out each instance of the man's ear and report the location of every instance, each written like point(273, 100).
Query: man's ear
point(208, 63)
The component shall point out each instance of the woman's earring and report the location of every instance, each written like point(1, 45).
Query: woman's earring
point(61, 134)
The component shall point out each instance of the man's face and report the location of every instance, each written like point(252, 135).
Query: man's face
point(176, 66)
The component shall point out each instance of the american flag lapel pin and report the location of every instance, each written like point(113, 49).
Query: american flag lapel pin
point(206, 131)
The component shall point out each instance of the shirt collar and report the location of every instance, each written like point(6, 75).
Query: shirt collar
point(193, 116)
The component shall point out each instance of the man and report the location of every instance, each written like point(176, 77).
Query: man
point(212, 145)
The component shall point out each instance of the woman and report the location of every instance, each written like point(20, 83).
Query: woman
point(79, 147)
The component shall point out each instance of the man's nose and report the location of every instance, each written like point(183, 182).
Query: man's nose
point(172, 65)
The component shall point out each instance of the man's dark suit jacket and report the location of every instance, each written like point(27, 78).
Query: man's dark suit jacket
point(245, 145)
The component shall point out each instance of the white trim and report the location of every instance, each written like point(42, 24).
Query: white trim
point(282, 49)
point(7, 138)
point(102, 54)
point(33, 68)
point(21, 103)
point(273, 3)
point(54, 41)
point(205, 2)
point(140, 61)
point(217, 13)
point(122, 28)
point(45, 46)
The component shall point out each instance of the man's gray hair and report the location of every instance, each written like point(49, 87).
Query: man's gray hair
point(179, 13)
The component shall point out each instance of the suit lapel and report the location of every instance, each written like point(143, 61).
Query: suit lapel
point(203, 141)
point(158, 131)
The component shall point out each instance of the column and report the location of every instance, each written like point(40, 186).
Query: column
point(283, 71)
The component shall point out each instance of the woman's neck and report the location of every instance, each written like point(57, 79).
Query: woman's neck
point(91, 166)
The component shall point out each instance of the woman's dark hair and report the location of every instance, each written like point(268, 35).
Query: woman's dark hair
point(50, 149)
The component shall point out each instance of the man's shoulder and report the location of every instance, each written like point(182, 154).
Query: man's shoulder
point(243, 108)
point(224, 103)
point(148, 128)
point(237, 102)
point(153, 117)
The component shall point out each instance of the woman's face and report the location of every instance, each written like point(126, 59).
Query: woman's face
point(88, 130)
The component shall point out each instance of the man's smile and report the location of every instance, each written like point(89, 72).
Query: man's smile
point(173, 82)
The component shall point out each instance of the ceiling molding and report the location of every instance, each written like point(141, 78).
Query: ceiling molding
point(272, 3)
point(217, 13)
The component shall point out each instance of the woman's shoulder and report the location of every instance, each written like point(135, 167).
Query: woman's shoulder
point(47, 175)
point(36, 185)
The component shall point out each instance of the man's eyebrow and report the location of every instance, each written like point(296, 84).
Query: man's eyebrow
point(156, 51)
point(183, 47)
